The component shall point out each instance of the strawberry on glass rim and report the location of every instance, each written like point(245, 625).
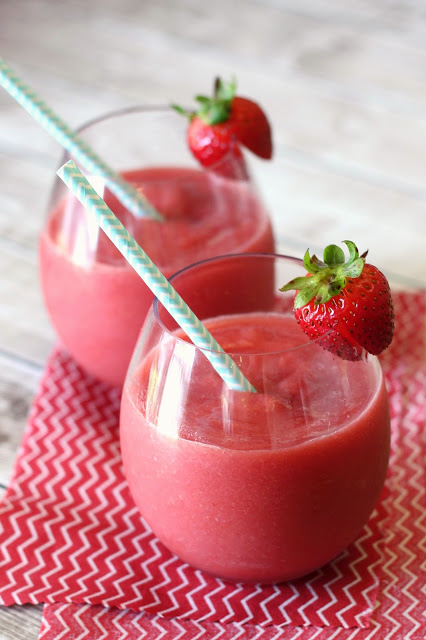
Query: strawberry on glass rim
point(346, 305)
point(222, 124)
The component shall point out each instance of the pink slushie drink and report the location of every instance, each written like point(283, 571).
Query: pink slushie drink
point(255, 487)
point(96, 301)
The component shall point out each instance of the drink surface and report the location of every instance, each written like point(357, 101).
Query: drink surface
point(96, 301)
point(256, 487)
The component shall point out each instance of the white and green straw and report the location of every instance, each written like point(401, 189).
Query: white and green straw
point(153, 278)
point(74, 144)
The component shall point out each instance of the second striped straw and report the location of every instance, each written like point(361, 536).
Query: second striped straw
point(76, 146)
point(153, 278)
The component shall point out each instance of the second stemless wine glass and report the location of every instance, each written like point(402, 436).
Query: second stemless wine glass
point(256, 487)
point(95, 300)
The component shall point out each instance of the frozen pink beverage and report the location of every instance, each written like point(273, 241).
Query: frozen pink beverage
point(256, 487)
point(96, 301)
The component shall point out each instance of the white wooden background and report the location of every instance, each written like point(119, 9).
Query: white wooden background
point(343, 82)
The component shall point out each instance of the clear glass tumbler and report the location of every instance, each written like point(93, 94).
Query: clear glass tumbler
point(256, 487)
point(95, 300)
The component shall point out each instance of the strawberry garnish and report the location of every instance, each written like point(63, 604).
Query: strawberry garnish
point(222, 124)
point(347, 306)
point(252, 127)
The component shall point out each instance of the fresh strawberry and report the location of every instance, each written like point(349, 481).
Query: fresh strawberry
point(212, 145)
point(347, 306)
point(221, 125)
point(252, 127)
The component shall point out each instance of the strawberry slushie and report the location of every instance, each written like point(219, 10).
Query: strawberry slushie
point(96, 301)
point(256, 487)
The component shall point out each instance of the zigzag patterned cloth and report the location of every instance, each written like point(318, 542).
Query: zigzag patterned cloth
point(70, 535)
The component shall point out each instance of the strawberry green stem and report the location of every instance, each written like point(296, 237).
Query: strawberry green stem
point(216, 109)
point(327, 277)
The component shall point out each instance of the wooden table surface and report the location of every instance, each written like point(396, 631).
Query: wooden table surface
point(344, 84)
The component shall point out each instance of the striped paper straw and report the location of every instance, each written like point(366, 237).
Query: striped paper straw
point(75, 145)
point(153, 278)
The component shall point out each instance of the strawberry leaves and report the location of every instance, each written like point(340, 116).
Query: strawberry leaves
point(212, 110)
point(329, 275)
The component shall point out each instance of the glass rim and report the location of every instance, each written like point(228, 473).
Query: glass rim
point(258, 255)
point(124, 111)
point(138, 109)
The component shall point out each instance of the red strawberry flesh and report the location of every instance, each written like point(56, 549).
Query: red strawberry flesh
point(252, 127)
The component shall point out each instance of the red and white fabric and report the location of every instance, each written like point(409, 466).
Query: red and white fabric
point(71, 537)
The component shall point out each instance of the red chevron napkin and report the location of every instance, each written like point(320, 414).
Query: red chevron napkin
point(70, 533)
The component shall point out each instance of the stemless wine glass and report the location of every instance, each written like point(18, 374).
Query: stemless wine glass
point(256, 487)
point(95, 300)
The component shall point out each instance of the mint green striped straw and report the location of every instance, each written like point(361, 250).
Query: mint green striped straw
point(74, 144)
point(153, 278)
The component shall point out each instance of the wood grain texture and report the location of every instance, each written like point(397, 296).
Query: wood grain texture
point(20, 622)
point(18, 383)
point(344, 87)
